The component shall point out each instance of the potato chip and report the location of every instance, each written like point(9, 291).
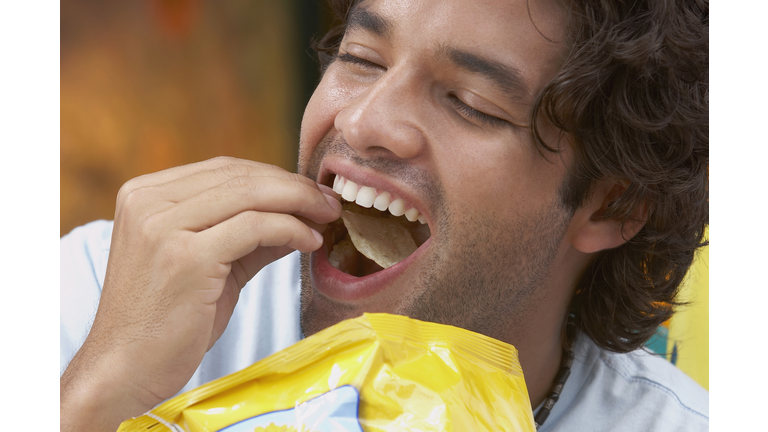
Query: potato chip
point(383, 240)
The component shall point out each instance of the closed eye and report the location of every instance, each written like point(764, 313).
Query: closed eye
point(474, 114)
point(349, 58)
point(466, 110)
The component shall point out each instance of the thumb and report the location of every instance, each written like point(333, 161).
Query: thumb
point(225, 306)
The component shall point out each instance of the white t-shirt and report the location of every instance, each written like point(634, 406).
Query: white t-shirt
point(606, 391)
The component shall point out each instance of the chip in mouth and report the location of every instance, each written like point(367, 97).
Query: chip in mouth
point(382, 240)
point(368, 240)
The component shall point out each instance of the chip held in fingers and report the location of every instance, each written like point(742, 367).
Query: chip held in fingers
point(382, 240)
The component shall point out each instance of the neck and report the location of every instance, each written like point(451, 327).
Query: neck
point(541, 339)
point(540, 362)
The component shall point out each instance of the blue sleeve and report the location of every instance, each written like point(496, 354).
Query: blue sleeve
point(84, 253)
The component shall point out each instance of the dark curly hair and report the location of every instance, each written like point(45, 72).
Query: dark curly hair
point(633, 93)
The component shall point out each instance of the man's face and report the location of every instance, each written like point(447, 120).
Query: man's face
point(427, 101)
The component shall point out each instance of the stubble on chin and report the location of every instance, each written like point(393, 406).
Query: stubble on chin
point(495, 277)
point(489, 280)
point(312, 302)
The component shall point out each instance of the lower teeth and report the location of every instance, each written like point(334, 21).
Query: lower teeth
point(343, 255)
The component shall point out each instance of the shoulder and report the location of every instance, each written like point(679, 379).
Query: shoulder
point(654, 377)
point(638, 391)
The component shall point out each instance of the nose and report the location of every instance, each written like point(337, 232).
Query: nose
point(385, 118)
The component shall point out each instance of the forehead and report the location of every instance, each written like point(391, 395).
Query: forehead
point(527, 35)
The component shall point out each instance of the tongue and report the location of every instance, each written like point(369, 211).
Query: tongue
point(382, 240)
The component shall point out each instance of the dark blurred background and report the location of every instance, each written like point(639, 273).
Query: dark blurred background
point(151, 84)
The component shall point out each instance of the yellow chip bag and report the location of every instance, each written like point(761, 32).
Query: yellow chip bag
point(378, 372)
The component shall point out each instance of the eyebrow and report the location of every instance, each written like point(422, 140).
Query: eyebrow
point(361, 18)
point(508, 78)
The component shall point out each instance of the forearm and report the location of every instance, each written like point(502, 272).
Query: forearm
point(96, 396)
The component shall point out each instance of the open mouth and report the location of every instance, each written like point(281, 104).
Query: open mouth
point(376, 231)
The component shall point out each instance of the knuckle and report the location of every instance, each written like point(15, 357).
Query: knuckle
point(271, 167)
point(126, 189)
point(130, 203)
point(314, 198)
point(134, 184)
point(292, 227)
point(230, 171)
point(242, 184)
point(150, 227)
point(251, 224)
point(299, 179)
point(218, 269)
point(137, 201)
point(131, 197)
point(224, 160)
point(251, 219)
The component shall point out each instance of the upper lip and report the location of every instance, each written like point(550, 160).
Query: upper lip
point(365, 176)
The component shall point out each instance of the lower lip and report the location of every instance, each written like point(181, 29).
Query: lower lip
point(338, 285)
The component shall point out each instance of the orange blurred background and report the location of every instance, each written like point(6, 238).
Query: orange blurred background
point(147, 85)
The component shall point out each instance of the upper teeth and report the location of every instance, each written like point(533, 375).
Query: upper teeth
point(366, 196)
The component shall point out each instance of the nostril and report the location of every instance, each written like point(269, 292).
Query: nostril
point(377, 132)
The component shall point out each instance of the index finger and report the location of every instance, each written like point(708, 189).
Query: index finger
point(179, 183)
point(287, 195)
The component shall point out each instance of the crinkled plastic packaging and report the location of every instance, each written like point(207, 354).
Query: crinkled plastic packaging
point(378, 372)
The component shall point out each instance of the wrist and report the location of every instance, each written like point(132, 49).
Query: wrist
point(96, 395)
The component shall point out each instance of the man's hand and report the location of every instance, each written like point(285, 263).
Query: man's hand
point(185, 241)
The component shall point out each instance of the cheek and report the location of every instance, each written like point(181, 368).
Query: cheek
point(329, 98)
point(314, 123)
point(501, 181)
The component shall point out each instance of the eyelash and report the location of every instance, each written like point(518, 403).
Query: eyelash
point(475, 114)
point(349, 58)
point(463, 108)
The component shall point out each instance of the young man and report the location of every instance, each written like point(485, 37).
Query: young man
point(556, 154)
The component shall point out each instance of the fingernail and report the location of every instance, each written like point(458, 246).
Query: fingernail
point(326, 190)
point(318, 236)
point(333, 202)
